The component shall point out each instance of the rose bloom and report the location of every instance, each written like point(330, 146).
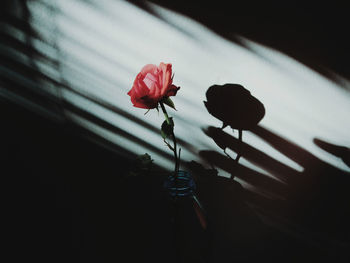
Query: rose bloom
point(152, 85)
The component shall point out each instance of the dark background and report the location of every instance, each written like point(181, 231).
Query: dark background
point(66, 199)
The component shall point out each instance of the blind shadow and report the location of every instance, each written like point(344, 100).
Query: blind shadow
point(309, 37)
point(308, 207)
point(23, 79)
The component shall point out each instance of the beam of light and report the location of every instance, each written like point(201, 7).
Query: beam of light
point(101, 45)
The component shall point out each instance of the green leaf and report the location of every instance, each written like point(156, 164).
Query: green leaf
point(167, 129)
point(169, 102)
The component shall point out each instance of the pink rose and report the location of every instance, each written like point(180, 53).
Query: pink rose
point(152, 85)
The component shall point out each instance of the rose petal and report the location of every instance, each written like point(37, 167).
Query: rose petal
point(140, 105)
point(172, 90)
point(141, 89)
point(166, 72)
point(154, 91)
point(149, 68)
point(149, 80)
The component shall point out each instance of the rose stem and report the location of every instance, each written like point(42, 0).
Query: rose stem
point(175, 176)
point(174, 138)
